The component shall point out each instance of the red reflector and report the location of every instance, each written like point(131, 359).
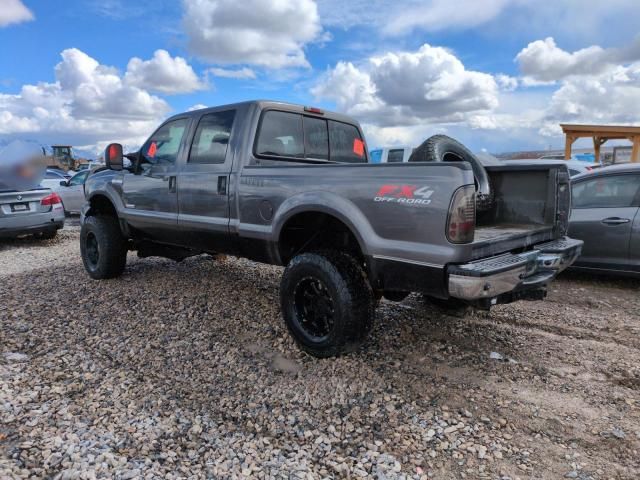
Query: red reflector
point(153, 148)
point(358, 147)
point(113, 151)
point(313, 110)
point(51, 199)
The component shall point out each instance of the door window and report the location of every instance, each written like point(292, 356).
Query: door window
point(281, 135)
point(211, 141)
point(607, 192)
point(78, 179)
point(395, 156)
point(345, 143)
point(163, 145)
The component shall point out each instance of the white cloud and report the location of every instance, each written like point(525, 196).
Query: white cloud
point(566, 19)
point(268, 33)
point(87, 103)
point(506, 82)
point(14, 11)
point(405, 88)
point(163, 73)
point(197, 106)
point(612, 97)
point(544, 61)
point(437, 15)
point(240, 74)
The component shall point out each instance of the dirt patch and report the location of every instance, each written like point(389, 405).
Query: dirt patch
point(187, 370)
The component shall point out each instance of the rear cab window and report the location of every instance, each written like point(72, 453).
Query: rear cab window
point(287, 135)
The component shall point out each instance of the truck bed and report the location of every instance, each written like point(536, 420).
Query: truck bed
point(501, 231)
point(494, 239)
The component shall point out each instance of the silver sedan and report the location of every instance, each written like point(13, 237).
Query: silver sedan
point(72, 192)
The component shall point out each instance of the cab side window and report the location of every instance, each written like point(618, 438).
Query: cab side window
point(211, 141)
point(163, 146)
point(281, 135)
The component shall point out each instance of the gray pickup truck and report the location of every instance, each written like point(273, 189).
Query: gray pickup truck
point(290, 185)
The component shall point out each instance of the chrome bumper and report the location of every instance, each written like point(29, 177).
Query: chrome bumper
point(491, 277)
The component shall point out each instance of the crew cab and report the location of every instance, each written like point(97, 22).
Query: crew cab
point(290, 185)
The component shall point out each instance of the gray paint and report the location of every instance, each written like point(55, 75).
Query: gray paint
point(611, 235)
point(263, 194)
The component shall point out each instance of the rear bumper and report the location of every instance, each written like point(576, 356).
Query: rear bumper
point(510, 276)
point(31, 224)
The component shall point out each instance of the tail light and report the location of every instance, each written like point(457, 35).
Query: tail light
point(461, 225)
point(52, 199)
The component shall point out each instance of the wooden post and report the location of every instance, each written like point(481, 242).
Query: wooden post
point(635, 150)
point(597, 143)
point(596, 148)
point(569, 139)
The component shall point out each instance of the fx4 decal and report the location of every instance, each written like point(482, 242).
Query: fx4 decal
point(407, 194)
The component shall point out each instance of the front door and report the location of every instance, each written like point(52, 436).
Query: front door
point(604, 209)
point(150, 195)
point(203, 183)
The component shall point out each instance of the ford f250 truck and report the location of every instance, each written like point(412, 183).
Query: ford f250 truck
point(290, 185)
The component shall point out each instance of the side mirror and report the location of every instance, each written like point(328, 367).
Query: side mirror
point(113, 157)
point(64, 183)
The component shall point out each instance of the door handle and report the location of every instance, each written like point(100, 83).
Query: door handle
point(222, 185)
point(615, 221)
point(172, 184)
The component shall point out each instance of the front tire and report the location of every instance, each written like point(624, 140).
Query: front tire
point(103, 247)
point(327, 303)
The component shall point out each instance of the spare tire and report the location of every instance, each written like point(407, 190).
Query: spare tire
point(441, 148)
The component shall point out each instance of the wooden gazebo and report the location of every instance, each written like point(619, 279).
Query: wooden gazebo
point(601, 134)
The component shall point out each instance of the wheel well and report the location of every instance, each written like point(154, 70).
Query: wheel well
point(101, 205)
point(310, 231)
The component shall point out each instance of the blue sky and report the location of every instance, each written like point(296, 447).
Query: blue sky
point(498, 74)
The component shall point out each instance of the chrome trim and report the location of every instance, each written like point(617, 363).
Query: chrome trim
point(412, 262)
point(540, 266)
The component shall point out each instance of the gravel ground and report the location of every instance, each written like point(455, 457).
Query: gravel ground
point(185, 370)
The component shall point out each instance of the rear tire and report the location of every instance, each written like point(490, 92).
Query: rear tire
point(327, 303)
point(103, 247)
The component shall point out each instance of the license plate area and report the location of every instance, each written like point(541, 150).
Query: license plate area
point(19, 207)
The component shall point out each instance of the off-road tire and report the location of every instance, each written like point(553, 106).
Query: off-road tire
point(102, 232)
point(441, 148)
point(348, 288)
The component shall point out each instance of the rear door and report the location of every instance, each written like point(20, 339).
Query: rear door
point(150, 195)
point(604, 210)
point(203, 182)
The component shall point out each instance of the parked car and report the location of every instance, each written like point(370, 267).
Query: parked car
point(390, 155)
point(605, 215)
point(37, 212)
point(72, 191)
point(53, 177)
point(575, 167)
point(291, 185)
